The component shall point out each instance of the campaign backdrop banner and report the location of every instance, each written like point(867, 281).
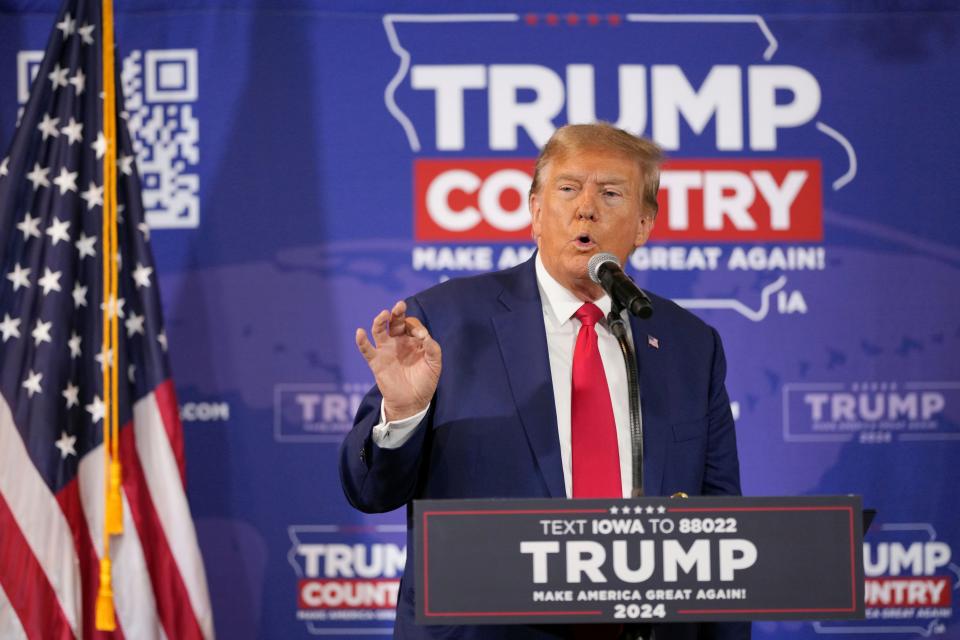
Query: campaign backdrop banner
point(305, 164)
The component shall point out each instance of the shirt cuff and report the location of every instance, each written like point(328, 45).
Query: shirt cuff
point(393, 435)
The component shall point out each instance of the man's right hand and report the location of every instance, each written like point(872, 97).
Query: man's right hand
point(405, 361)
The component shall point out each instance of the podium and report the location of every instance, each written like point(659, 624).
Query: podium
point(638, 560)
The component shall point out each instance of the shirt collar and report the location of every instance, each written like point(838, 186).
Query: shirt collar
point(559, 301)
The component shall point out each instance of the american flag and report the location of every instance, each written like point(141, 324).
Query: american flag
point(52, 456)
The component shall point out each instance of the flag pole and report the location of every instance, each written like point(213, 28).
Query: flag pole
point(113, 512)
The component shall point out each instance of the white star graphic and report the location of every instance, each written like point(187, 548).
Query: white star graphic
point(104, 358)
point(96, 409)
point(41, 332)
point(145, 230)
point(86, 33)
point(65, 444)
point(162, 339)
point(125, 164)
point(134, 324)
point(58, 231)
point(20, 277)
point(73, 130)
point(32, 383)
point(72, 395)
point(661, 509)
point(637, 510)
point(85, 244)
point(131, 371)
point(74, 343)
point(58, 77)
point(141, 275)
point(50, 281)
point(30, 226)
point(650, 509)
point(113, 307)
point(614, 510)
point(4, 167)
point(48, 126)
point(100, 146)
point(79, 294)
point(67, 180)
point(68, 26)
point(10, 327)
point(79, 81)
point(39, 176)
point(93, 196)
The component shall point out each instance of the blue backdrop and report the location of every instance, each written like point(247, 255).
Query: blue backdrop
point(305, 164)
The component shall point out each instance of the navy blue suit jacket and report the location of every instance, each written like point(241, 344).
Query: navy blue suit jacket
point(491, 430)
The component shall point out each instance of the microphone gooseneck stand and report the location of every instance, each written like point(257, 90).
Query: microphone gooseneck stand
point(619, 329)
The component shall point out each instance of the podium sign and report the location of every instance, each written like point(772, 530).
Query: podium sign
point(656, 559)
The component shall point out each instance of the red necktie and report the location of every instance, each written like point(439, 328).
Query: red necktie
point(593, 432)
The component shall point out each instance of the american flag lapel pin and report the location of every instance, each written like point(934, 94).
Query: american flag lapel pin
point(653, 342)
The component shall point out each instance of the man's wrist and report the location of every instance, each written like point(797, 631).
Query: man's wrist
point(399, 414)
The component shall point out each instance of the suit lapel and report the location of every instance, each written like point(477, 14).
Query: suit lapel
point(523, 346)
point(656, 430)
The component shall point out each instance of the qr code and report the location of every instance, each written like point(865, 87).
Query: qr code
point(160, 88)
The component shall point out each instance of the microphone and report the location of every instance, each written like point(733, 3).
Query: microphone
point(604, 269)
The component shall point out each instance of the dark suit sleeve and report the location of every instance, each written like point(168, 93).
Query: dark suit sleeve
point(376, 479)
point(722, 473)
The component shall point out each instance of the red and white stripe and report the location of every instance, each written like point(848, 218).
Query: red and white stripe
point(50, 545)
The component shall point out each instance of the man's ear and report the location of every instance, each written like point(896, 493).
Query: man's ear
point(644, 229)
point(535, 206)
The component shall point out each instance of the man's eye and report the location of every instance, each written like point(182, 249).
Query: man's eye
point(611, 194)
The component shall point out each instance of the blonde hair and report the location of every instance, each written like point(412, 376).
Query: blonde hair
point(604, 136)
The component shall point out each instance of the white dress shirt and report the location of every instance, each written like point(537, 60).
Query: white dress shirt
point(559, 305)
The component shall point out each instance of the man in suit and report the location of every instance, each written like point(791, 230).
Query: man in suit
point(510, 384)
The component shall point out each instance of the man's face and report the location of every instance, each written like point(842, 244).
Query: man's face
point(589, 202)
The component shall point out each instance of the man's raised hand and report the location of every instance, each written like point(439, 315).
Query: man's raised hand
point(405, 361)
